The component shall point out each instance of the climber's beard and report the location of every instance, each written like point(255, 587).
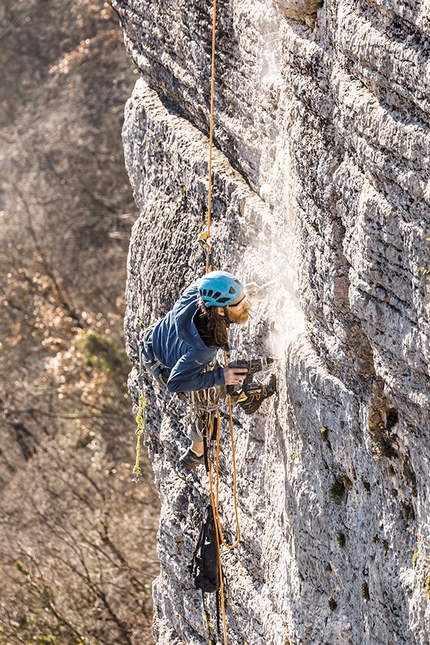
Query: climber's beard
point(239, 318)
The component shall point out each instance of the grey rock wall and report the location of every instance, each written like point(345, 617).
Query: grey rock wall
point(321, 180)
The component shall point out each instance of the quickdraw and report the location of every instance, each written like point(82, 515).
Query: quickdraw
point(207, 252)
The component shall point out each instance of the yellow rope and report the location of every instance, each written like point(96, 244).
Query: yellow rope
point(141, 425)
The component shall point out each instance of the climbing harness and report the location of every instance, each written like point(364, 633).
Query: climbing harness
point(203, 400)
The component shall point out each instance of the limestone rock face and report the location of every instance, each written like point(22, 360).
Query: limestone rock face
point(321, 181)
point(299, 9)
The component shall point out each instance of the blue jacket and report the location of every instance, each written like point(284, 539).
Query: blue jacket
point(177, 344)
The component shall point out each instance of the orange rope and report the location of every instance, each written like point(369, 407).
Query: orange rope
point(215, 504)
point(206, 237)
point(215, 499)
point(211, 136)
point(218, 531)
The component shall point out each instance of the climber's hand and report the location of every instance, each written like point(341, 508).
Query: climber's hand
point(233, 375)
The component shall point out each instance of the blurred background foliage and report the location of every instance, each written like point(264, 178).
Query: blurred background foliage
point(77, 538)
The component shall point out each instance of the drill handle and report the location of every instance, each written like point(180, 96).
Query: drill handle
point(248, 379)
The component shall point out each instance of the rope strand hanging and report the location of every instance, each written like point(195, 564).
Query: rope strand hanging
point(210, 267)
point(205, 243)
point(207, 235)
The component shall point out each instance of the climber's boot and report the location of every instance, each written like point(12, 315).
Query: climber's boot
point(190, 459)
point(256, 393)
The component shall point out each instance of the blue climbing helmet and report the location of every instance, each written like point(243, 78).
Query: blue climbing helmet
point(219, 288)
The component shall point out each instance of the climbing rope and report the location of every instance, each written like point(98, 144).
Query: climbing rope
point(205, 243)
point(141, 409)
point(215, 498)
point(208, 408)
point(205, 237)
point(141, 427)
point(213, 474)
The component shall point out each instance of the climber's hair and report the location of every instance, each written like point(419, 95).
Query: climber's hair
point(216, 324)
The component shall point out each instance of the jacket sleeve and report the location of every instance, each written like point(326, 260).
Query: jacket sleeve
point(186, 375)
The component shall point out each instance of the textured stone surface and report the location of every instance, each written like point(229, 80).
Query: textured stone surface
point(299, 9)
point(321, 178)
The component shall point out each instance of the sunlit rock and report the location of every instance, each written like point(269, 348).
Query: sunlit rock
point(320, 181)
point(298, 9)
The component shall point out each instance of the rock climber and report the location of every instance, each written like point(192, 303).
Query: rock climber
point(180, 349)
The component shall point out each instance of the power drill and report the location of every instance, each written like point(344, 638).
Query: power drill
point(253, 365)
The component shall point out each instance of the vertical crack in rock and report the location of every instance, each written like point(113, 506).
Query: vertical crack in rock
point(321, 180)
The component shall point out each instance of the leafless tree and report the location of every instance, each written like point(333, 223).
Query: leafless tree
point(77, 538)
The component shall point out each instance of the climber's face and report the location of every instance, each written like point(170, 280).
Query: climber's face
point(238, 310)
